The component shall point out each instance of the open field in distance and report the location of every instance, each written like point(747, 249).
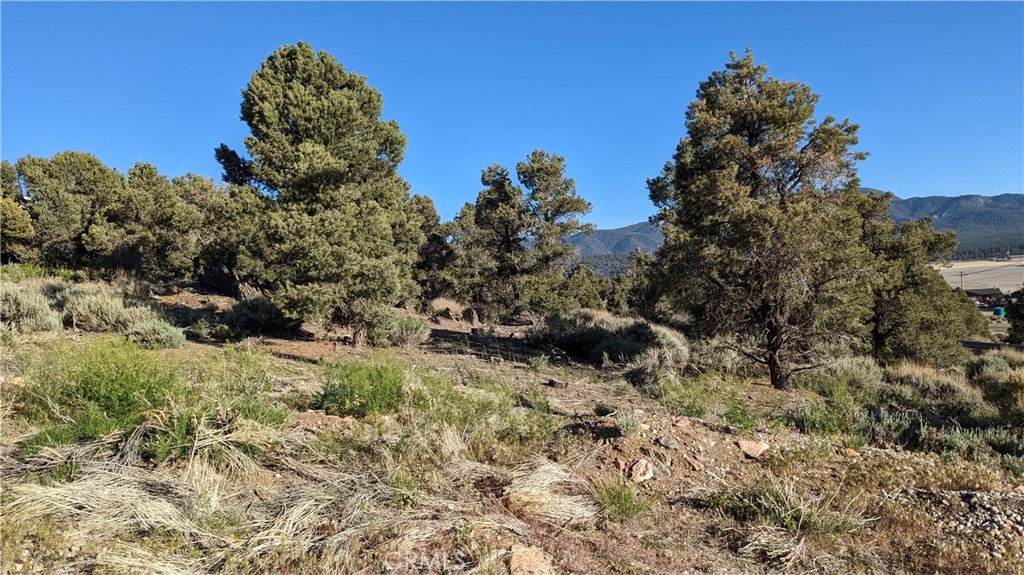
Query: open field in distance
point(1005, 275)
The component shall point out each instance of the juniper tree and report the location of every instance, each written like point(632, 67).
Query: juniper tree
point(510, 246)
point(915, 314)
point(761, 231)
point(341, 234)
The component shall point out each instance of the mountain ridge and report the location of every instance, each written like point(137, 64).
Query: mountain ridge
point(987, 226)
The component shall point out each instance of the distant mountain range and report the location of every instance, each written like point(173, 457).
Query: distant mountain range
point(988, 226)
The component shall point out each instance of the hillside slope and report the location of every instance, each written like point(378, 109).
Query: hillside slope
point(988, 226)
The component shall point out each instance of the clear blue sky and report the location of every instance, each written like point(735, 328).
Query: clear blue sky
point(938, 88)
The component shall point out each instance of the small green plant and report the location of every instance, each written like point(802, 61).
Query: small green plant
point(409, 331)
point(621, 501)
point(740, 416)
point(628, 424)
point(156, 334)
point(538, 363)
point(89, 391)
point(361, 388)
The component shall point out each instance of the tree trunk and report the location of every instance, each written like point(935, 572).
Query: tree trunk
point(781, 377)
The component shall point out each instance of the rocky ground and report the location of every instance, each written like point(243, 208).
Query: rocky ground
point(709, 492)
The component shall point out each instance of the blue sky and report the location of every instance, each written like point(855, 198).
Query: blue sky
point(938, 88)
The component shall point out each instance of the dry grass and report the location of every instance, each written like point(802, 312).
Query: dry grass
point(445, 306)
point(108, 502)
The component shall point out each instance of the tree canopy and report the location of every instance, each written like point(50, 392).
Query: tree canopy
point(341, 233)
point(761, 235)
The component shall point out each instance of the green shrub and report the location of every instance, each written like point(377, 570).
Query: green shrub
point(156, 334)
point(984, 366)
point(781, 505)
point(360, 389)
point(628, 424)
point(14, 273)
point(26, 308)
point(384, 328)
point(410, 331)
point(259, 315)
point(379, 325)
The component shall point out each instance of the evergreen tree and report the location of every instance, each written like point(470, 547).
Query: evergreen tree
point(342, 235)
point(16, 232)
point(1015, 315)
point(66, 194)
point(761, 231)
point(915, 314)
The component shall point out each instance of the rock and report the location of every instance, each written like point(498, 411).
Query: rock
point(643, 426)
point(641, 471)
point(557, 383)
point(754, 449)
point(847, 452)
point(681, 423)
point(667, 442)
point(664, 470)
point(530, 561)
point(620, 464)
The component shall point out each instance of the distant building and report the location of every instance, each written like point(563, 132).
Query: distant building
point(987, 296)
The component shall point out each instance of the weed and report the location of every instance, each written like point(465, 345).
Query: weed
point(88, 392)
point(26, 308)
point(628, 424)
point(740, 417)
point(781, 505)
point(361, 388)
point(621, 501)
point(538, 363)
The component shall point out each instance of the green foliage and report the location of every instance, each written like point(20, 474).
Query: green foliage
point(621, 501)
point(359, 389)
point(87, 215)
point(319, 147)
point(156, 334)
point(259, 316)
point(757, 207)
point(508, 249)
point(102, 308)
point(783, 506)
point(628, 424)
point(384, 328)
point(915, 314)
point(88, 392)
point(15, 241)
point(13, 273)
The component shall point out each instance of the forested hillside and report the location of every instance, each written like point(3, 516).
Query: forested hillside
point(987, 226)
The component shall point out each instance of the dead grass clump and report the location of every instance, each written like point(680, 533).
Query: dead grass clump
point(601, 337)
point(446, 308)
point(108, 502)
point(535, 491)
